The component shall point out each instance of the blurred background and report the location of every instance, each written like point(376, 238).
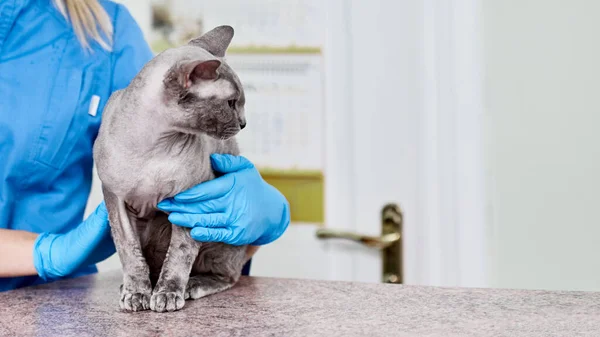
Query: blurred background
point(477, 118)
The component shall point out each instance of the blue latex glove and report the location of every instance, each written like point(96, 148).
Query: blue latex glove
point(238, 208)
point(58, 255)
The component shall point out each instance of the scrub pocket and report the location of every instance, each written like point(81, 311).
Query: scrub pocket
point(63, 122)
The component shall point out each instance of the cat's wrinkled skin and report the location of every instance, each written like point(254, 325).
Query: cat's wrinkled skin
point(154, 142)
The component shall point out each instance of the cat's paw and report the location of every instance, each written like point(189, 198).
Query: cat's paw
point(134, 301)
point(166, 301)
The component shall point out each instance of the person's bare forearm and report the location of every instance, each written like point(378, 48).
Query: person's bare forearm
point(16, 253)
point(250, 252)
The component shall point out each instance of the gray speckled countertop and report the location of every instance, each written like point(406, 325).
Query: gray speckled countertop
point(88, 306)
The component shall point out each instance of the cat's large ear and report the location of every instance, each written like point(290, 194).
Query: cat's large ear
point(200, 70)
point(191, 72)
point(215, 41)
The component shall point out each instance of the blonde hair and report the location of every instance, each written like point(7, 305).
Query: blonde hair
point(86, 16)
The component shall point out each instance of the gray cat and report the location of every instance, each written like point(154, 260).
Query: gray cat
point(154, 142)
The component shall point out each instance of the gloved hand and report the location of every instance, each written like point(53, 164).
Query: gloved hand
point(238, 208)
point(58, 255)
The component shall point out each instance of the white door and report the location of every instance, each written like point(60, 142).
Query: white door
point(392, 104)
point(370, 138)
point(402, 127)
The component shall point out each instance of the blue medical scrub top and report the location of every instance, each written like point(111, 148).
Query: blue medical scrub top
point(47, 128)
point(47, 81)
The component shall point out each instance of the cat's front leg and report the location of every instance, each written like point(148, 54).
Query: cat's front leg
point(136, 288)
point(168, 294)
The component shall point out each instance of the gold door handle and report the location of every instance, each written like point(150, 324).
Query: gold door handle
point(390, 242)
point(379, 242)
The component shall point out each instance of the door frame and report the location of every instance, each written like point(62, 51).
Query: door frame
point(445, 240)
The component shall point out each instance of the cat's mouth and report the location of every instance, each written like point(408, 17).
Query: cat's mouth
point(228, 133)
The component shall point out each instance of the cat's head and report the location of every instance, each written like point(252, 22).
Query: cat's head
point(203, 93)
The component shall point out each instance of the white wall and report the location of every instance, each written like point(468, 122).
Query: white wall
point(543, 109)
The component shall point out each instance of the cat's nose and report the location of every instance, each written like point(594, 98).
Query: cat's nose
point(242, 125)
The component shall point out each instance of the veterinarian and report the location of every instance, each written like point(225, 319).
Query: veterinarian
point(60, 60)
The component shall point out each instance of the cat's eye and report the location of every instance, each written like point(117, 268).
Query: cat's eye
point(231, 103)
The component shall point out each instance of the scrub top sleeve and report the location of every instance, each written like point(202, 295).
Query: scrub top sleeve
point(130, 49)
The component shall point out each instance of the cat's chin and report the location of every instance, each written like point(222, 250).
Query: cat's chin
point(217, 136)
point(226, 135)
point(223, 138)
